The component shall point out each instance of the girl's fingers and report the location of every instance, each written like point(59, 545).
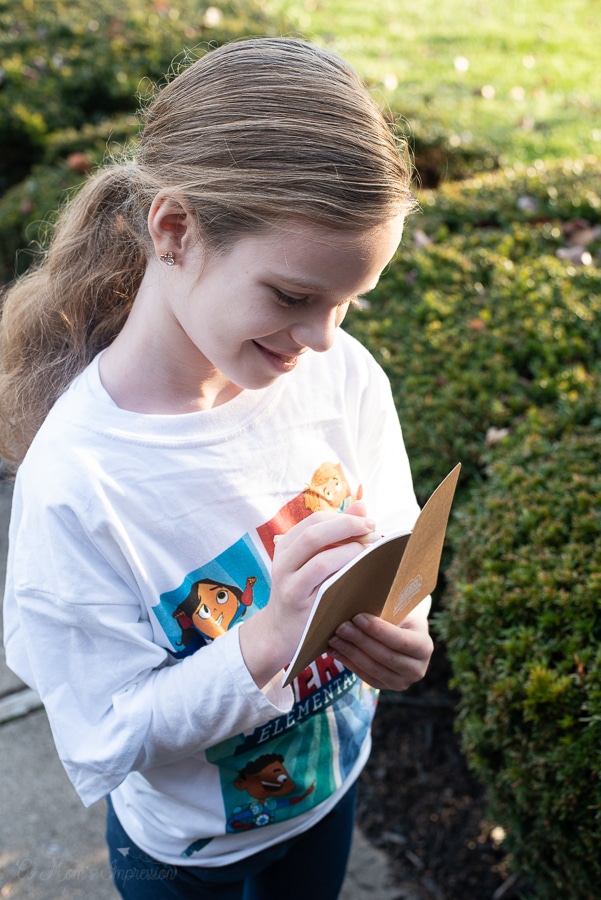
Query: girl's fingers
point(384, 655)
point(411, 638)
point(302, 582)
point(397, 677)
point(316, 533)
point(306, 556)
point(357, 508)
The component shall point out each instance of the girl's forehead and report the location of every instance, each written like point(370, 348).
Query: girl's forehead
point(340, 238)
point(292, 235)
point(307, 252)
point(297, 239)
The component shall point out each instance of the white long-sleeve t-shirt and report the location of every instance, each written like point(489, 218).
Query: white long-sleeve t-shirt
point(140, 544)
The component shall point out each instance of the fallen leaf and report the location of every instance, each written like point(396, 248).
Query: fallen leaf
point(580, 232)
point(79, 162)
point(476, 324)
point(577, 255)
point(420, 238)
point(527, 203)
point(495, 435)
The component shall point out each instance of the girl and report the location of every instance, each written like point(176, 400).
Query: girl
point(174, 372)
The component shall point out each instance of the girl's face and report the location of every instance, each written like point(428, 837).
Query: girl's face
point(255, 310)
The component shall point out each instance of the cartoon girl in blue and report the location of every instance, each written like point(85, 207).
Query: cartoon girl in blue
point(210, 609)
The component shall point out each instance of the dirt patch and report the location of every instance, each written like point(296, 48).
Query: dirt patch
point(419, 802)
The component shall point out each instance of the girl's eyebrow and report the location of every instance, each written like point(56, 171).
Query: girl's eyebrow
point(309, 286)
point(312, 287)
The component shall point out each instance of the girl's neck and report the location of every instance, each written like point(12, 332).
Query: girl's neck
point(156, 393)
point(145, 369)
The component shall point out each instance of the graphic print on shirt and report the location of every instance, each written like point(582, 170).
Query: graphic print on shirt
point(318, 743)
point(327, 489)
point(211, 608)
point(294, 762)
point(213, 598)
point(269, 785)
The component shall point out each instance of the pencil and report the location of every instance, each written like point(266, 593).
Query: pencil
point(369, 538)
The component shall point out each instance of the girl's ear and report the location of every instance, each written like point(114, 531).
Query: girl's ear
point(172, 226)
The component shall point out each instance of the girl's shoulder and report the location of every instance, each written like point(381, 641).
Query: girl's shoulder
point(55, 454)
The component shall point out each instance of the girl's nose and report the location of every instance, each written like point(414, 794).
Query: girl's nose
point(318, 330)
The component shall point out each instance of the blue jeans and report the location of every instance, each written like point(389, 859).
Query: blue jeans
point(310, 865)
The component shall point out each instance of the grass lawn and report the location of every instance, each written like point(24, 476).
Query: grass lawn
point(519, 76)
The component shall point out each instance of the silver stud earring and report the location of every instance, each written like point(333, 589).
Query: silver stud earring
point(168, 258)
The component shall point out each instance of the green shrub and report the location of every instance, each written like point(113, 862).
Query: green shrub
point(485, 329)
point(543, 194)
point(24, 216)
point(522, 624)
point(492, 341)
point(28, 208)
point(493, 346)
point(69, 64)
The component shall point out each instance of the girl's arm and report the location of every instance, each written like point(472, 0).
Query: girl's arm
point(114, 698)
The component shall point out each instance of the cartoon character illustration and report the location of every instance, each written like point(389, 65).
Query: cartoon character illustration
point(268, 782)
point(329, 489)
point(210, 609)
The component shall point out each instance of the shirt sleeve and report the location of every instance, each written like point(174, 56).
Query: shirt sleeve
point(116, 701)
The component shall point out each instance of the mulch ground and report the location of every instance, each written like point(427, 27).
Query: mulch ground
point(419, 802)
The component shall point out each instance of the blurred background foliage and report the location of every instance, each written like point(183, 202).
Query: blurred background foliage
point(506, 80)
point(67, 65)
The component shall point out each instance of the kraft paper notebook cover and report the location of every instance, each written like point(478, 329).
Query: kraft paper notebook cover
point(388, 579)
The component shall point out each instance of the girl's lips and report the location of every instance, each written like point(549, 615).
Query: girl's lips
point(279, 361)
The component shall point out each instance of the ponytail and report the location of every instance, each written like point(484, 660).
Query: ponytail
point(59, 315)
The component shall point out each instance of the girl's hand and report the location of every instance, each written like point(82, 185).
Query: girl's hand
point(308, 554)
point(386, 656)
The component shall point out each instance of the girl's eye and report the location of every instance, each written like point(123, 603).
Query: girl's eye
point(288, 301)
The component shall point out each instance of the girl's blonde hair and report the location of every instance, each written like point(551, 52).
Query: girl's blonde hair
point(251, 134)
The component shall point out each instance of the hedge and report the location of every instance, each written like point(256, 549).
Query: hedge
point(485, 328)
point(541, 194)
point(489, 325)
point(522, 625)
point(28, 209)
point(74, 64)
